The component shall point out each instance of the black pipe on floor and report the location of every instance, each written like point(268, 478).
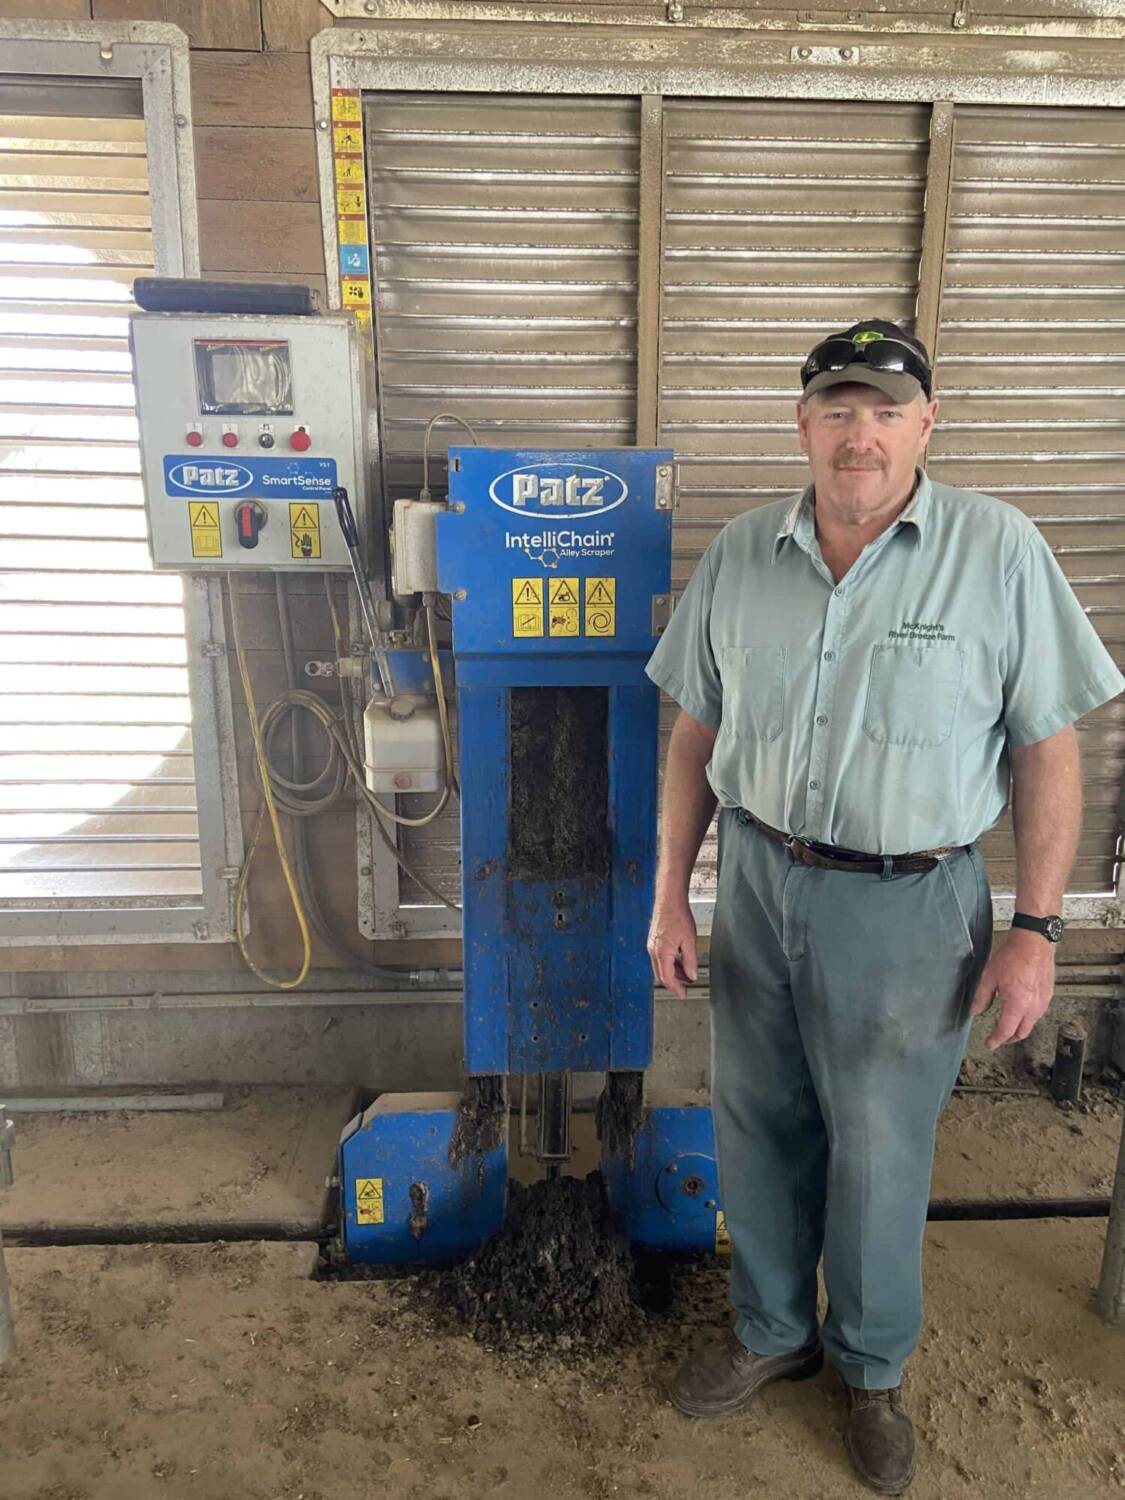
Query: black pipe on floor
point(19, 1236)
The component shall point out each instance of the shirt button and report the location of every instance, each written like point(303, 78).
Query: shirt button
point(814, 786)
point(830, 656)
point(822, 719)
point(837, 591)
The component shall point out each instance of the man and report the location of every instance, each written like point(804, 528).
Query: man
point(859, 668)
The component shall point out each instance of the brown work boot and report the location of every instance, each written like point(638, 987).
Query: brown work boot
point(880, 1439)
point(725, 1376)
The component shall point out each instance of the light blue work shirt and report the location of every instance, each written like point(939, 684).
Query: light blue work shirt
point(876, 713)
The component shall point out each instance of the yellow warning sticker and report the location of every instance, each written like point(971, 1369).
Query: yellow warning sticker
point(349, 169)
point(601, 606)
point(527, 607)
point(203, 519)
point(355, 291)
point(350, 200)
point(563, 619)
point(369, 1200)
point(351, 231)
point(346, 139)
point(722, 1238)
point(363, 317)
point(304, 528)
point(345, 104)
point(562, 598)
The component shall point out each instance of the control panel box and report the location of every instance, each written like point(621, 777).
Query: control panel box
point(247, 425)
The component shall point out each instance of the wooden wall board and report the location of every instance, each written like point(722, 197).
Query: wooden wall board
point(239, 88)
point(46, 10)
point(276, 238)
point(289, 25)
point(270, 163)
point(232, 24)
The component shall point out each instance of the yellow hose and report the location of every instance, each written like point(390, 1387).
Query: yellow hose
point(270, 807)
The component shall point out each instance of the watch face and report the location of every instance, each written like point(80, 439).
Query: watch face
point(1054, 928)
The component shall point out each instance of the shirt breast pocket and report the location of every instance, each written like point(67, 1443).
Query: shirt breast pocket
point(912, 693)
point(753, 691)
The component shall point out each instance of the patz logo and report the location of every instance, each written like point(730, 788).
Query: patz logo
point(548, 488)
point(205, 479)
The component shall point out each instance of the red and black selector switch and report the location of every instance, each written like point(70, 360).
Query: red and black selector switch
point(249, 518)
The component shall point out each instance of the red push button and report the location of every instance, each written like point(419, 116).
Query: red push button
point(230, 439)
point(194, 439)
point(300, 440)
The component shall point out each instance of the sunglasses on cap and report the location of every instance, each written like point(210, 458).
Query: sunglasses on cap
point(877, 353)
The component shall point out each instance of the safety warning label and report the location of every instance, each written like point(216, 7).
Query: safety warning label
point(562, 598)
point(369, 1200)
point(722, 1238)
point(527, 607)
point(304, 528)
point(203, 519)
point(346, 105)
point(601, 606)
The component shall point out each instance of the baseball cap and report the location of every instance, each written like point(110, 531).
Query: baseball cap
point(875, 352)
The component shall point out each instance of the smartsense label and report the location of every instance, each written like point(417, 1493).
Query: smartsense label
point(292, 478)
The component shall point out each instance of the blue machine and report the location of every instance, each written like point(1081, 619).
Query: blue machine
point(558, 566)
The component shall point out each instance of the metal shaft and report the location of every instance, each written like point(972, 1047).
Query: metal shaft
point(554, 1121)
point(363, 588)
point(1111, 1290)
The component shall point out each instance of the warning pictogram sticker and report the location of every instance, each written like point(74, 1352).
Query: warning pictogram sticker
point(351, 200)
point(304, 528)
point(369, 1200)
point(346, 105)
point(563, 619)
point(601, 606)
point(527, 607)
point(346, 139)
point(562, 591)
point(206, 538)
point(722, 1235)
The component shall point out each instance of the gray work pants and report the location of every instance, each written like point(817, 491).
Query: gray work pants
point(839, 1018)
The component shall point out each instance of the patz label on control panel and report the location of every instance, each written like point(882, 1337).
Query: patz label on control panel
point(191, 475)
point(554, 488)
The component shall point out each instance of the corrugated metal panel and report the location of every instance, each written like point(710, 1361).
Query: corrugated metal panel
point(1031, 374)
point(504, 237)
point(97, 786)
point(782, 221)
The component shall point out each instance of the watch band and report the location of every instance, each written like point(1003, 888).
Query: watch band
point(1049, 927)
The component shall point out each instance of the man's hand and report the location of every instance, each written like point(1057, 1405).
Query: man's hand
point(671, 946)
point(1022, 973)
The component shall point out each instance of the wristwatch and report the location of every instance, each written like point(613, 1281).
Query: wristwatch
point(1050, 927)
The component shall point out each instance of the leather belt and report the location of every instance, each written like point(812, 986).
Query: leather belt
point(827, 857)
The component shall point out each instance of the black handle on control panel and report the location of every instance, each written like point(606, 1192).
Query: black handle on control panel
point(345, 517)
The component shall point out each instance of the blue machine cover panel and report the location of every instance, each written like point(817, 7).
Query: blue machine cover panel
point(558, 553)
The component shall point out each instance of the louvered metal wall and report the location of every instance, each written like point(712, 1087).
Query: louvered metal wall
point(97, 786)
point(781, 221)
point(505, 243)
point(1031, 369)
point(504, 235)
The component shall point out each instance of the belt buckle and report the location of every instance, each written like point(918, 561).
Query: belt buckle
point(793, 844)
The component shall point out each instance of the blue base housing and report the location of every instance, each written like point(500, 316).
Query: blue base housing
point(401, 1200)
point(667, 1198)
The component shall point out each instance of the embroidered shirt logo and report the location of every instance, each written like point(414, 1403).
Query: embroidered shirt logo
point(920, 630)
